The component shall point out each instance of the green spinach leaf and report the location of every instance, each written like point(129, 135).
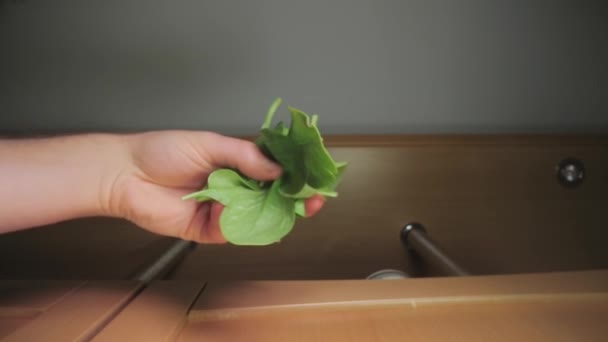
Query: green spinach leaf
point(258, 213)
point(307, 165)
point(251, 216)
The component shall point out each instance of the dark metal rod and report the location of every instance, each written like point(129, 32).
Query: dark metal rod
point(164, 262)
point(414, 236)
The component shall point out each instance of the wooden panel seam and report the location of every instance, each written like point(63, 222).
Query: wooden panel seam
point(112, 314)
point(66, 320)
point(29, 312)
point(164, 305)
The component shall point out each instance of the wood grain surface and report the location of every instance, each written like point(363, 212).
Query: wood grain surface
point(567, 306)
point(559, 306)
point(22, 301)
point(221, 300)
point(77, 316)
point(157, 314)
point(554, 321)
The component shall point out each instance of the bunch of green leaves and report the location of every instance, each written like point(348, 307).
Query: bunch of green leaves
point(261, 213)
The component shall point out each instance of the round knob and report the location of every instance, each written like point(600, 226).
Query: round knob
point(570, 172)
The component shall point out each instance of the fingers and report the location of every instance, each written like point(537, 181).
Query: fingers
point(209, 225)
point(213, 231)
point(241, 155)
point(205, 227)
point(313, 205)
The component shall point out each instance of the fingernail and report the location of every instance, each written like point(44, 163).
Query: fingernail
point(272, 167)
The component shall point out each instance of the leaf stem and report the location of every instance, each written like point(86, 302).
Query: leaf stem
point(270, 113)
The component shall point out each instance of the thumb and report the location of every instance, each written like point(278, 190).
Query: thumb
point(239, 154)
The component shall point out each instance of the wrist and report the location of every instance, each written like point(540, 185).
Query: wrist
point(116, 166)
point(49, 180)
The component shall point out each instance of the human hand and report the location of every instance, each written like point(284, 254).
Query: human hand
point(164, 166)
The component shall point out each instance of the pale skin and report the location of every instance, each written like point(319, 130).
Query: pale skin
point(138, 177)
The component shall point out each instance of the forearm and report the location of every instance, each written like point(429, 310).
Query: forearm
point(47, 180)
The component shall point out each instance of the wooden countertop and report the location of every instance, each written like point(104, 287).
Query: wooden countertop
point(564, 306)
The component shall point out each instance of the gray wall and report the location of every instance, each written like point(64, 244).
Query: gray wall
point(364, 66)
